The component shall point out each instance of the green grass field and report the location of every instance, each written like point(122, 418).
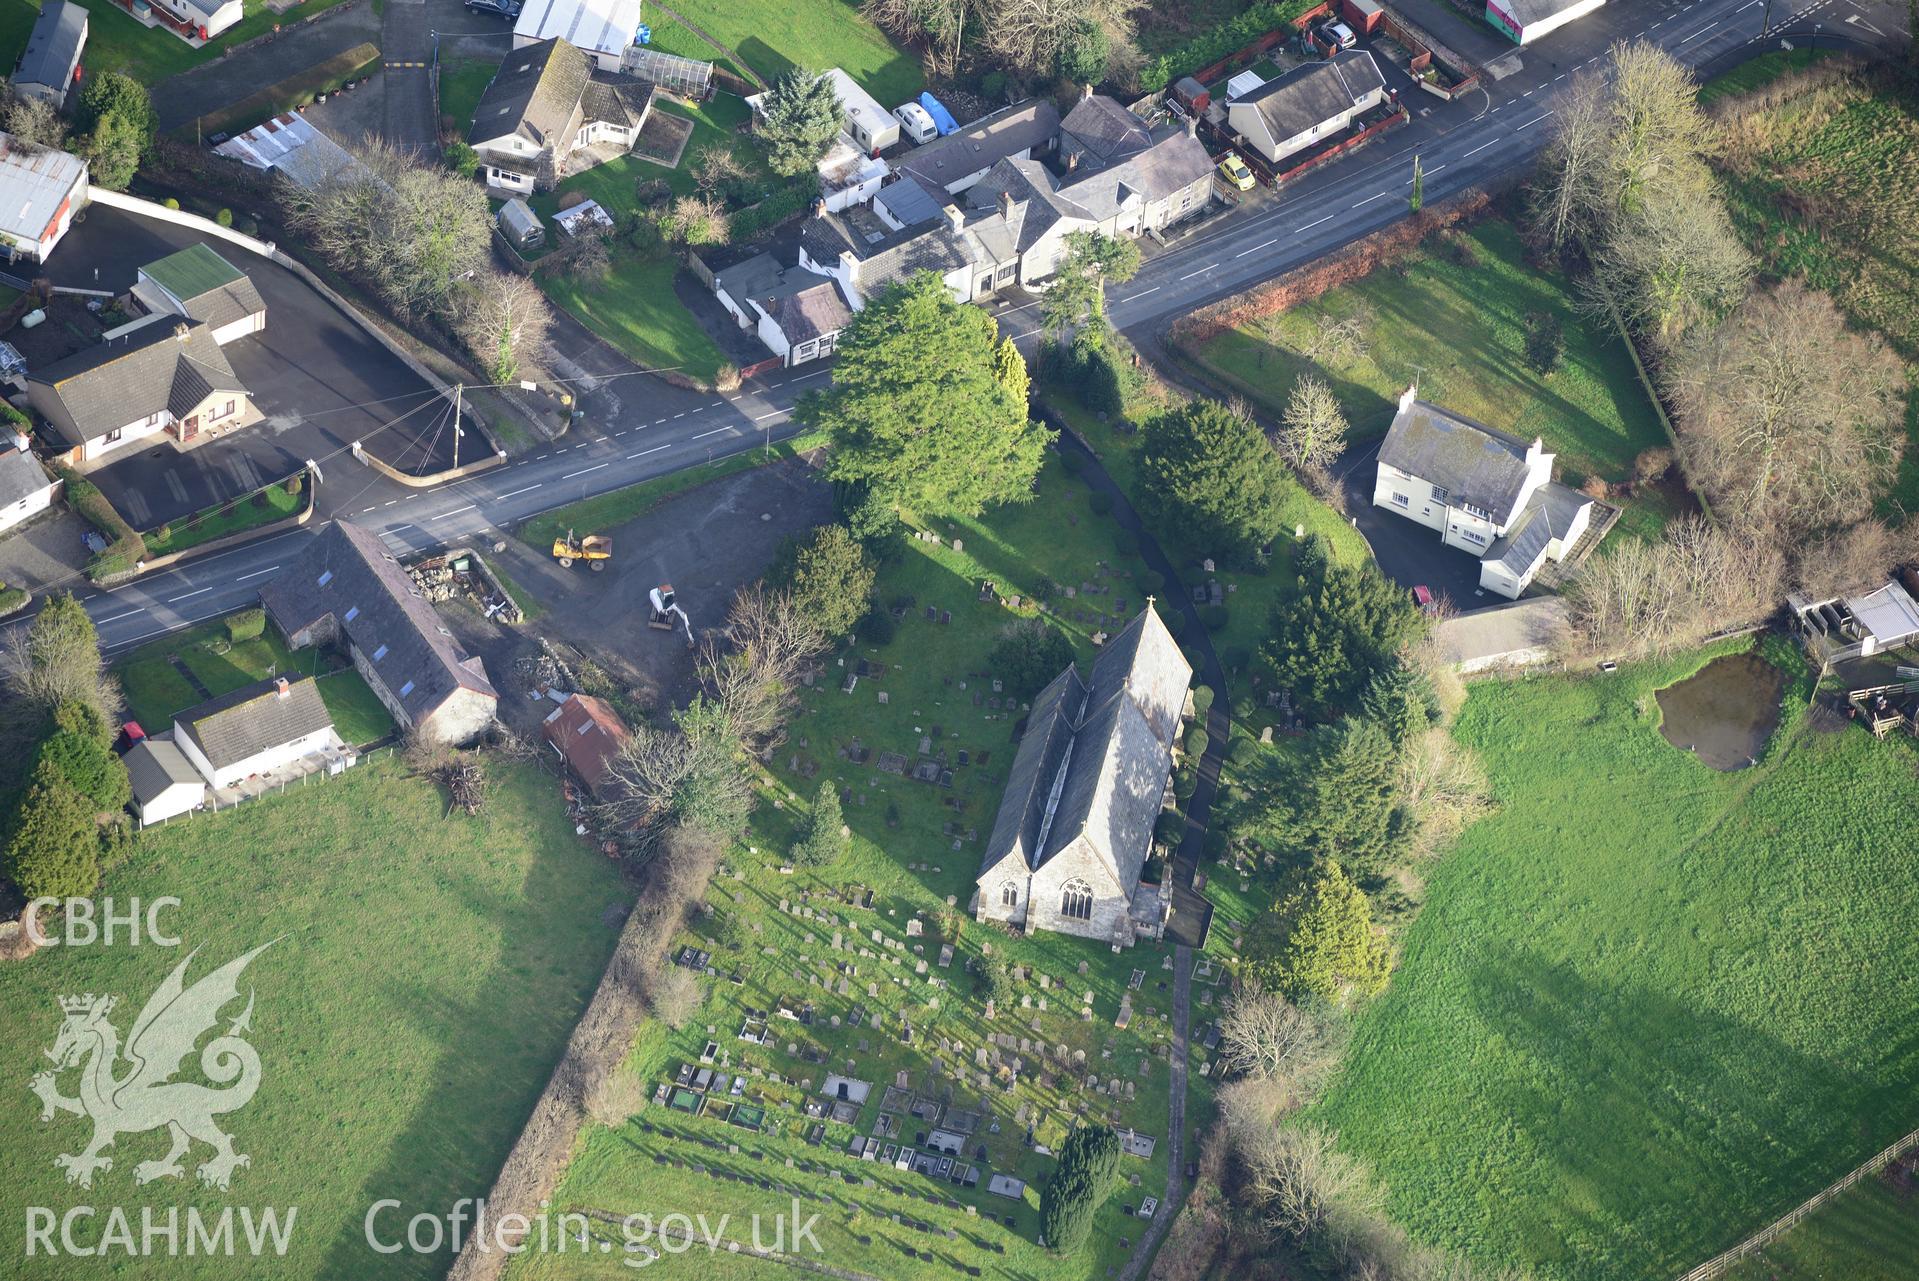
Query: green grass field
point(156, 690)
point(811, 33)
point(1457, 326)
point(1869, 1233)
point(424, 975)
point(1757, 73)
point(116, 42)
point(1819, 186)
point(225, 519)
point(462, 83)
point(1647, 1007)
point(635, 310)
point(916, 846)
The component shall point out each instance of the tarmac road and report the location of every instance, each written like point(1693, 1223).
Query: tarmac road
point(640, 428)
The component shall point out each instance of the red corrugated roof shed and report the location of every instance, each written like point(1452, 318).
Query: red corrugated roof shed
point(588, 734)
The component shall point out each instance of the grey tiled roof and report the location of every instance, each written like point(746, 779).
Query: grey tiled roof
point(253, 719)
point(623, 103)
point(533, 94)
point(167, 363)
point(1174, 162)
point(21, 475)
point(1106, 128)
point(1096, 755)
point(154, 765)
point(1024, 126)
point(809, 313)
point(1549, 513)
point(884, 255)
point(347, 573)
point(1475, 463)
point(1318, 91)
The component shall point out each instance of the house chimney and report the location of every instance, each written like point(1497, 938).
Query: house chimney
point(819, 207)
point(955, 217)
point(280, 687)
point(180, 331)
point(1192, 126)
point(1407, 397)
point(1085, 92)
point(21, 442)
point(1536, 450)
point(1006, 205)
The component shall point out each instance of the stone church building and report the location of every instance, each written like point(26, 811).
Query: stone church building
point(1076, 824)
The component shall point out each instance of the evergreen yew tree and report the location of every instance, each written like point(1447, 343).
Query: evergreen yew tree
point(833, 580)
point(1028, 655)
point(1081, 1182)
point(80, 747)
point(799, 118)
point(53, 850)
point(1332, 636)
point(1401, 700)
point(1345, 801)
point(1319, 940)
point(920, 411)
point(825, 840)
point(1212, 475)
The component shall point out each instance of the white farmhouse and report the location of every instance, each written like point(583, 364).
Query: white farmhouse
point(256, 729)
point(1487, 493)
point(797, 313)
point(546, 116)
point(1087, 784)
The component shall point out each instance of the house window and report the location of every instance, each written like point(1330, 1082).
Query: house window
point(406, 689)
point(1009, 894)
point(110, 437)
point(1471, 537)
point(1400, 500)
point(228, 411)
point(1480, 512)
point(1439, 493)
point(1076, 901)
point(379, 653)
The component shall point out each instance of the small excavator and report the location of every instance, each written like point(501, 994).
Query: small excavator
point(664, 607)
point(595, 549)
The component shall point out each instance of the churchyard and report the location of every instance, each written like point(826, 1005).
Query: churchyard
point(871, 974)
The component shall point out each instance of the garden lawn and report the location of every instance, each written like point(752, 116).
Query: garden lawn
point(916, 847)
point(635, 309)
point(1820, 188)
point(463, 82)
point(225, 519)
point(816, 34)
point(1647, 1007)
point(424, 974)
point(115, 42)
point(1870, 1232)
point(156, 689)
point(1454, 320)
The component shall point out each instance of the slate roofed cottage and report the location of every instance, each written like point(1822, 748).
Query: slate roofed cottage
point(1087, 784)
point(256, 729)
point(346, 588)
point(587, 734)
point(1488, 493)
point(545, 115)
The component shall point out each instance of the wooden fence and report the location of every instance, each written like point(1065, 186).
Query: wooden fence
point(1717, 1265)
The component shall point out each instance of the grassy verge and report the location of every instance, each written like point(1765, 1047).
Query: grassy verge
point(156, 689)
point(425, 973)
point(1760, 72)
point(621, 505)
point(322, 77)
point(1453, 317)
point(462, 82)
point(1870, 1232)
point(1580, 1068)
point(224, 519)
point(116, 42)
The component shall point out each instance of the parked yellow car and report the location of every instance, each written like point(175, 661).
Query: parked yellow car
point(1235, 172)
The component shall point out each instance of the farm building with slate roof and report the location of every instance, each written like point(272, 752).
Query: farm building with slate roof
point(1308, 104)
point(346, 588)
point(201, 285)
point(50, 64)
point(255, 730)
point(1075, 826)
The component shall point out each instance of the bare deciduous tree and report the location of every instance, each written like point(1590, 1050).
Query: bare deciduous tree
point(1296, 1179)
point(685, 864)
point(1567, 195)
point(1671, 263)
point(33, 121)
point(698, 219)
point(503, 317)
point(1645, 598)
point(1313, 429)
point(1027, 34)
point(616, 1097)
point(1444, 788)
point(753, 674)
point(1789, 421)
point(941, 24)
point(1336, 341)
point(674, 995)
point(715, 167)
point(1857, 558)
point(1265, 1035)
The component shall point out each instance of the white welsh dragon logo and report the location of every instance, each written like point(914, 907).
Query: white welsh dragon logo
point(140, 1095)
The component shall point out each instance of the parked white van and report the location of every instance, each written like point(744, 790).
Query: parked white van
point(916, 123)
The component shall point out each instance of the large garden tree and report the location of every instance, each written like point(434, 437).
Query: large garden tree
point(833, 580)
point(53, 847)
point(1029, 653)
point(826, 839)
point(1318, 942)
point(919, 411)
point(799, 118)
point(1344, 800)
point(57, 660)
point(1081, 1182)
point(1328, 639)
point(1091, 262)
point(1211, 474)
point(80, 748)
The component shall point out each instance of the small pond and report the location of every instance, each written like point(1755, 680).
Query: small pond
point(1725, 712)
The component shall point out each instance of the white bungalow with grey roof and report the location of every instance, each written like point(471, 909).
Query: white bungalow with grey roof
point(25, 488)
point(49, 66)
point(1307, 105)
point(1486, 492)
point(1524, 21)
point(208, 18)
point(1089, 780)
point(797, 313)
point(256, 730)
point(164, 783)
